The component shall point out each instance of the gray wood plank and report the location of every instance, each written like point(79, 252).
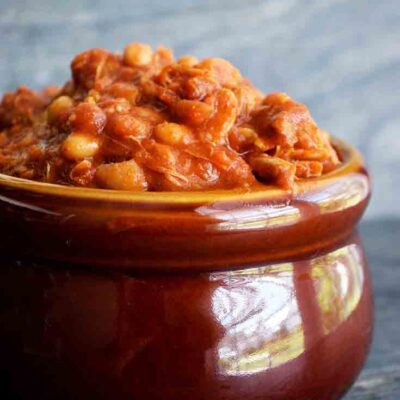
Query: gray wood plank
point(380, 379)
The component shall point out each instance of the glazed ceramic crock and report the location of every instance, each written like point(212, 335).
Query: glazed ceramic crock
point(214, 295)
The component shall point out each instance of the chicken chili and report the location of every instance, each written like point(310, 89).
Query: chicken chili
point(145, 121)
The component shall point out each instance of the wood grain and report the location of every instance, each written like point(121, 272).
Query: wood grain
point(380, 379)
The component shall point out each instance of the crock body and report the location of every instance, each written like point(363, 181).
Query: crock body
point(294, 330)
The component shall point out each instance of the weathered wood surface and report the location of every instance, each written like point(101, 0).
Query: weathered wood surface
point(341, 57)
point(380, 379)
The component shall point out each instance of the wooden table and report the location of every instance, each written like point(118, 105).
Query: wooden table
point(381, 376)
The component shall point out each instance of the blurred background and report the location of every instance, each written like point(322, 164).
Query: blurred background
point(340, 57)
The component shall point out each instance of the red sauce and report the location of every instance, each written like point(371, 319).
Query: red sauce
point(144, 121)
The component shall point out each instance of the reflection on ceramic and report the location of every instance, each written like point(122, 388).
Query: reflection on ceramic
point(259, 309)
point(341, 194)
point(283, 331)
point(259, 312)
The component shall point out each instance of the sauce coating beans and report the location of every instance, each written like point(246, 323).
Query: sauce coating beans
point(143, 121)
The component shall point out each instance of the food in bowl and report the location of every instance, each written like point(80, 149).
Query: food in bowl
point(143, 121)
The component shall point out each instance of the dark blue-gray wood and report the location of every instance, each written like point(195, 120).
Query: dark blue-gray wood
point(341, 57)
point(380, 379)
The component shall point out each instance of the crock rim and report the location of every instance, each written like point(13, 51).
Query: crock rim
point(351, 162)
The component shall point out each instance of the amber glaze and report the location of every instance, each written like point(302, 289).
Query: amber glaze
point(259, 296)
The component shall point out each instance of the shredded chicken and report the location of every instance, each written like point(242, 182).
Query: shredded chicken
point(145, 121)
